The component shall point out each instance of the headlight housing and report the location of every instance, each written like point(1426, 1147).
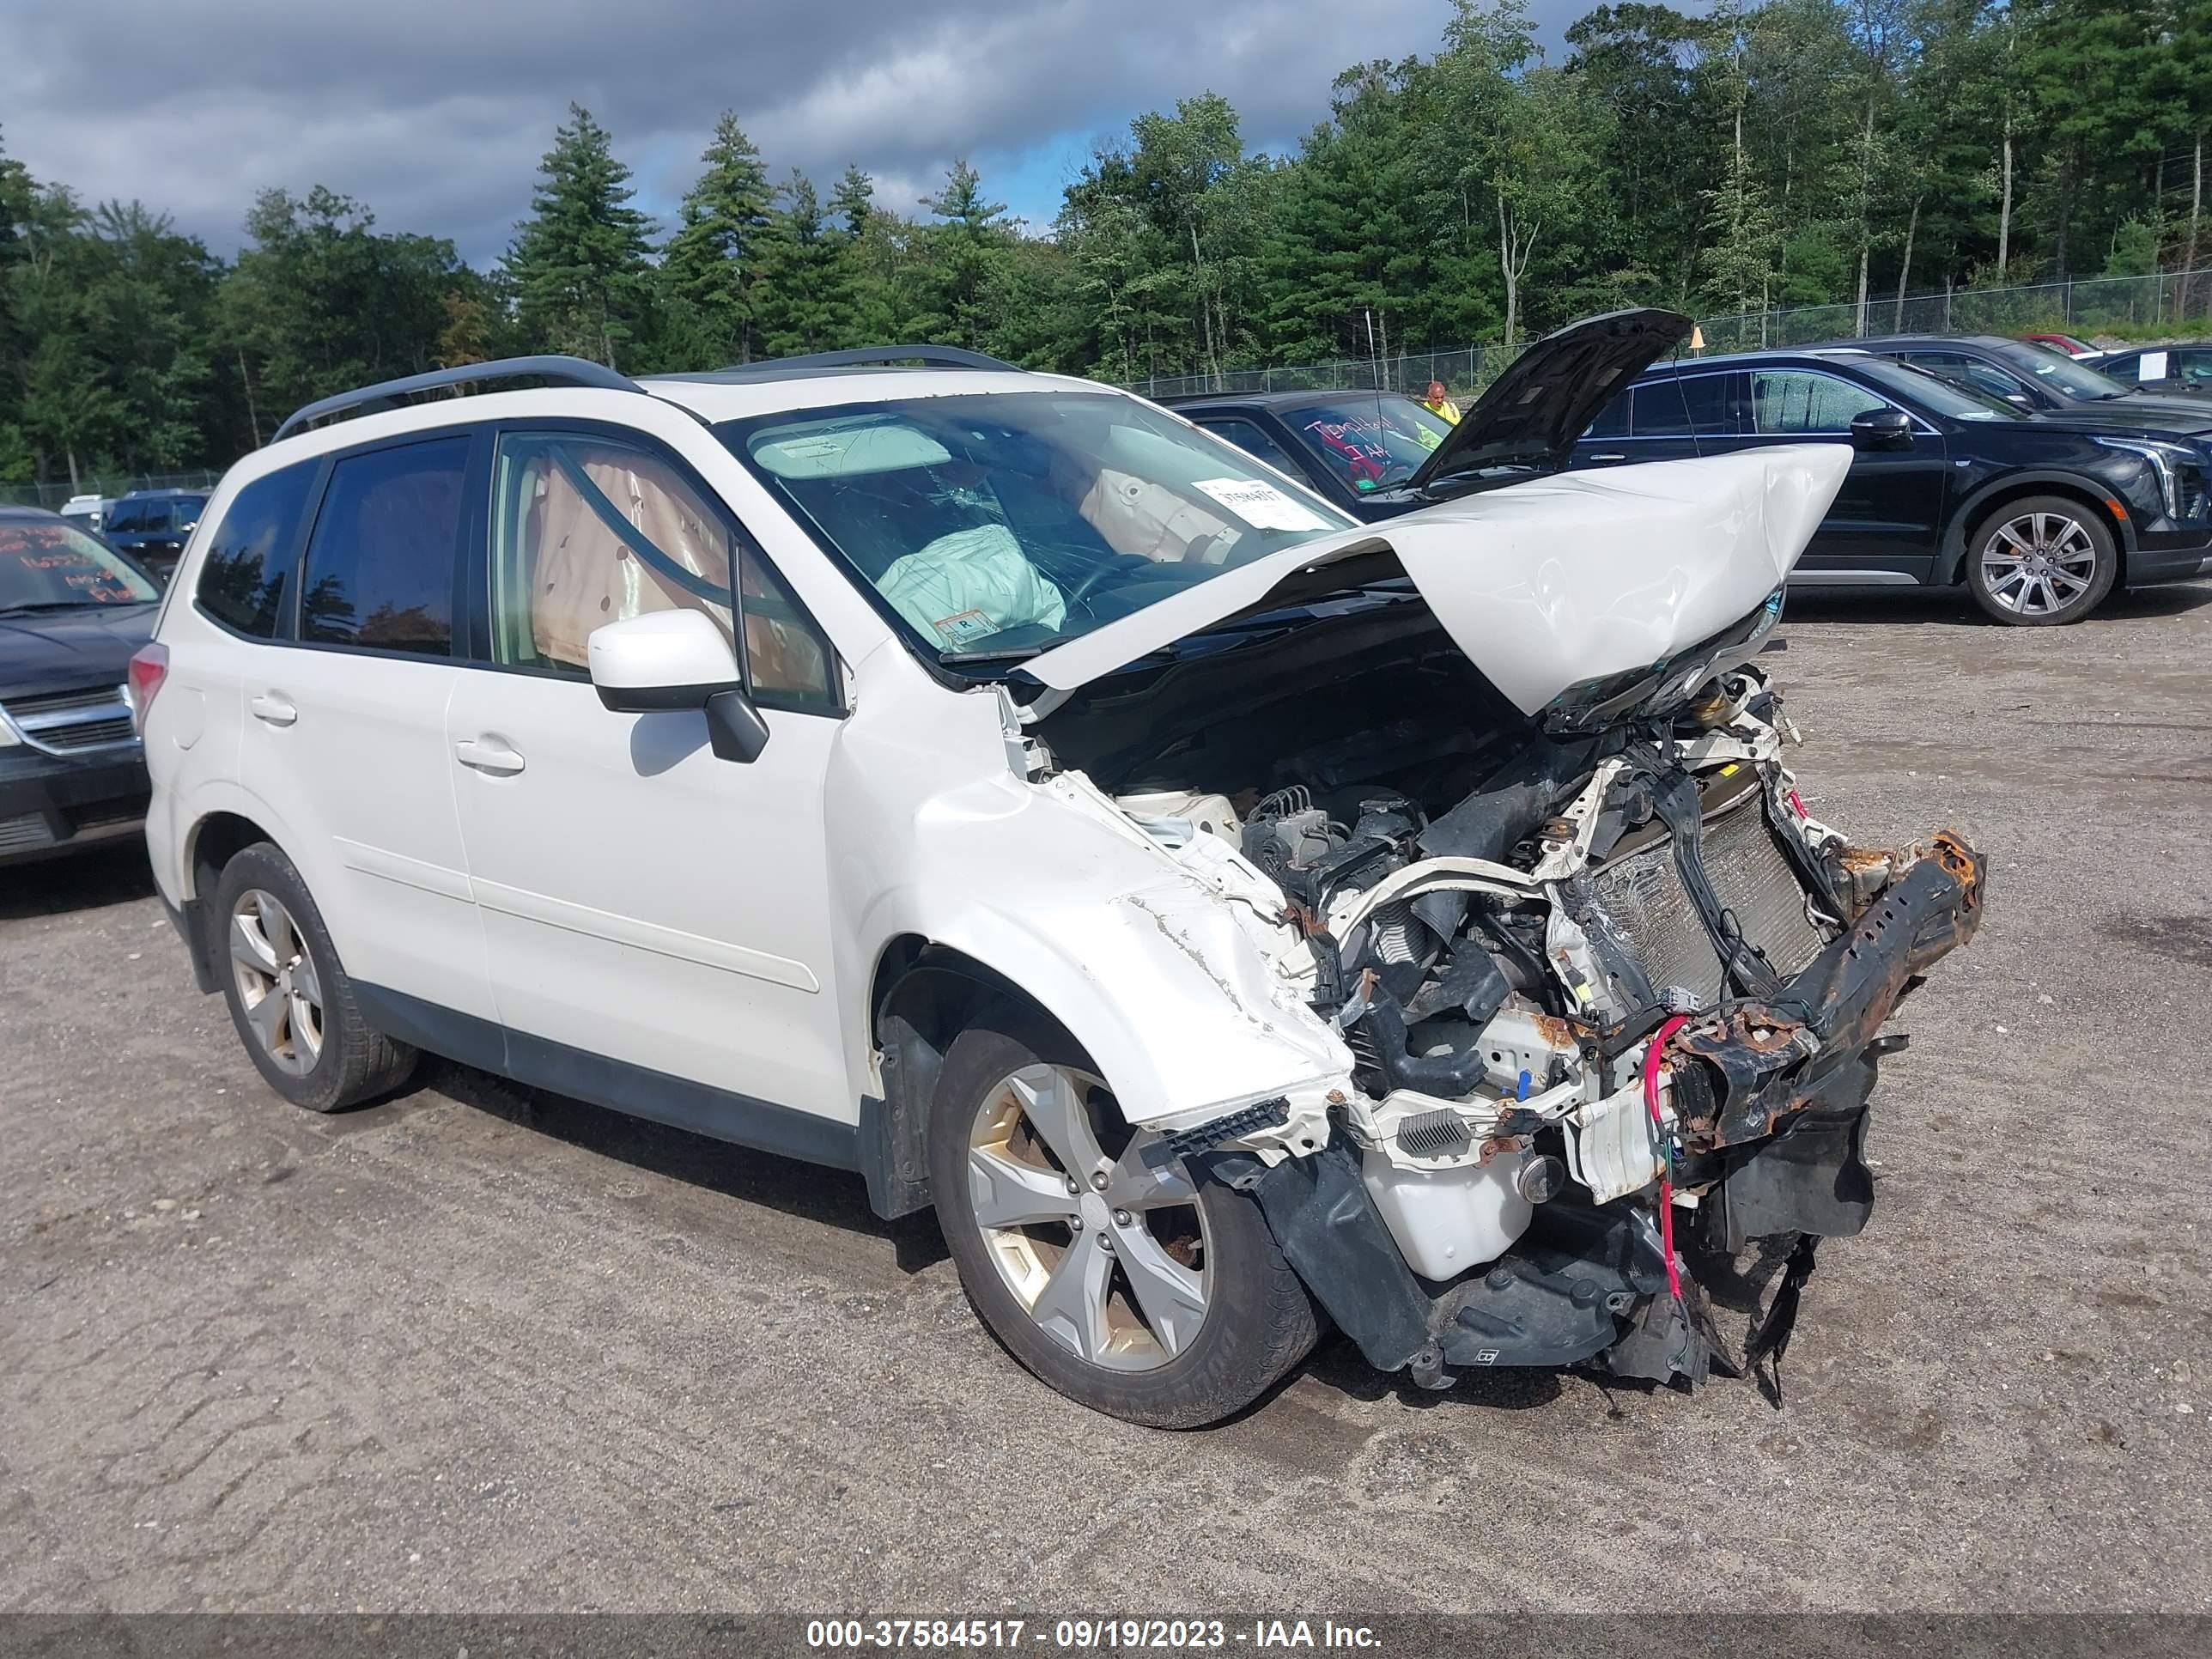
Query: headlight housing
point(2180, 471)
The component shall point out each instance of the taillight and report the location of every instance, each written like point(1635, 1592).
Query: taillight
point(150, 667)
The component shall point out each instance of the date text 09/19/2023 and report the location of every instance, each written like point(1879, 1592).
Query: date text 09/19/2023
point(1086, 1634)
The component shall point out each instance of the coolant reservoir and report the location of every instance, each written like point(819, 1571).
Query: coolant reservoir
point(1447, 1221)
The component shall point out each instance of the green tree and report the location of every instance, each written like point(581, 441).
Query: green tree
point(582, 263)
point(961, 255)
point(708, 270)
point(804, 297)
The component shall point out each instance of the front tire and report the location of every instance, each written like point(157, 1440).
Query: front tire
point(288, 994)
point(2042, 561)
point(1130, 1289)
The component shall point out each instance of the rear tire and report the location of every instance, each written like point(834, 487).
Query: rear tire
point(288, 994)
point(1143, 1297)
point(2042, 561)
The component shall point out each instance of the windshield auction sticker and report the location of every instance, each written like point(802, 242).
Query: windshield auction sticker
point(1262, 505)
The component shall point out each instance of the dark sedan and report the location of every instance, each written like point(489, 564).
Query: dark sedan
point(2032, 378)
point(2184, 368)
point(2038, 517)
point(1376, 454)
point(72, 612)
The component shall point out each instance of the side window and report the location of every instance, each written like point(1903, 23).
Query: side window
point(587, 530)
point(248, 569)
point(380, 566)
point(1252, 440)
point(1613, 421)
point(129, 519)
point(1686, 406)
point(1795, 403)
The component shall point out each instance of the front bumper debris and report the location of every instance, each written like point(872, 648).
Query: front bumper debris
point(1770, 1119)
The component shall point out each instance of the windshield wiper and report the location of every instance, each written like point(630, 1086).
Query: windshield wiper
point(1006, 653)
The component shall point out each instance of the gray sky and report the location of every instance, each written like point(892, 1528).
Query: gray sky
point(435, 113)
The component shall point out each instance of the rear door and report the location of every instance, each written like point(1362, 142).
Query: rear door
point(344, 733)
point(1888, 517)
point(1668, 417)
point(644, 901)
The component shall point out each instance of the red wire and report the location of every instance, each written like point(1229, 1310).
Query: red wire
point(1652, 1061)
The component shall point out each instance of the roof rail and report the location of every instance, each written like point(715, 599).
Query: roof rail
point(385, 394)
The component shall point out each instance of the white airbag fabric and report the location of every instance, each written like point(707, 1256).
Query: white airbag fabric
point(970, 585)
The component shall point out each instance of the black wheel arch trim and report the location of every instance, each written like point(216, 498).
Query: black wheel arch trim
point(926, 995)
point(1951, 566)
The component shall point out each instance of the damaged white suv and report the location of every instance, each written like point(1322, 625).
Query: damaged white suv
point(1224, 915)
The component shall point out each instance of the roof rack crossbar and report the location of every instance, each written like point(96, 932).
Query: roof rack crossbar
point(936, 357)
point(385, 394)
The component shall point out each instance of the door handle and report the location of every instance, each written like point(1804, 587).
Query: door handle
point(488, 755)
point(273, 710)
point(1608, 458)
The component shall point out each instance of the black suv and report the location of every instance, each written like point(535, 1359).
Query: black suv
point(2033, 378)
point(72, 612)
point(152, 526)
point(2039, 516)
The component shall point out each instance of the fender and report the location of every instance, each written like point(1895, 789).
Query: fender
point(1951, 562)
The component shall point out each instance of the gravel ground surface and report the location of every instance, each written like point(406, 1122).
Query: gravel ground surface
point(481, 1348)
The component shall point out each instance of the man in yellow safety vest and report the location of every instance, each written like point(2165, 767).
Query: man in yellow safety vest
point(1437, 403)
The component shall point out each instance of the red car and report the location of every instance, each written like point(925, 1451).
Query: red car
point(2065, 343)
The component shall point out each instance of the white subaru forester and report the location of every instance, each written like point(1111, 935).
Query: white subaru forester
point(1225, 914)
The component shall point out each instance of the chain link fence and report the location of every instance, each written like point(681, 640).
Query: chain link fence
point(110, 485)
point(2181, 301)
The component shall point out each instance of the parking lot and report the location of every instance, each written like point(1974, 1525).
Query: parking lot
point(480, 1348)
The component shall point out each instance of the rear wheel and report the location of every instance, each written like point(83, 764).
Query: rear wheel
point(288, 995)
point(1129, 1289)
point(2042, 561)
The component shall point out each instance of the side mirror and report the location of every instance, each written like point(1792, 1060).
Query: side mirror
point(673, 660)
point(1882, 428)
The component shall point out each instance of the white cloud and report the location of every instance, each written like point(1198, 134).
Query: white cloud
point(435, 113)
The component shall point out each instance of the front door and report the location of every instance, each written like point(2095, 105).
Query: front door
point(644, 902)
point(1887, 519)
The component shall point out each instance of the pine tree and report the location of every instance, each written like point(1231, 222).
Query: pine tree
point(961, 254)
point(708, 272)
point(803, 301)
point(853, 201)
point(581, 263)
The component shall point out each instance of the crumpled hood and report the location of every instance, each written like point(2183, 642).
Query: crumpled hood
point(1544, 584)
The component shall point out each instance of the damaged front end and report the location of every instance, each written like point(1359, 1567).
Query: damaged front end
point(1625, 982)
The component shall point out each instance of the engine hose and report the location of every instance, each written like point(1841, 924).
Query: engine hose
point(1653, 1062)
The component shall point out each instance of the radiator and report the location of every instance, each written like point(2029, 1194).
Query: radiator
point(1751, 875)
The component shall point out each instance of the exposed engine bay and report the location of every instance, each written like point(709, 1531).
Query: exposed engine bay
point(1601, 974)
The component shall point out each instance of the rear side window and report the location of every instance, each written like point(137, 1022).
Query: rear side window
point(130, 518)
point(380, 566)
point(1612, 420)
point(246, 576)
point(1688, 406)
point(1254, 440)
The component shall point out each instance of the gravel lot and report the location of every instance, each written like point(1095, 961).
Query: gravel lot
point(485, 1349)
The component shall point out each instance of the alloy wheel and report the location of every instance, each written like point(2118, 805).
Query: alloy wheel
point(277, 983)
point(2039, 564)
point(1107, 1254)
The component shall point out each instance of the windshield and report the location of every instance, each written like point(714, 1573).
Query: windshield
point(1932, 392)
point(47, 566)
point(1369, 439)
point(2058, 374)
point(1001, 524)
